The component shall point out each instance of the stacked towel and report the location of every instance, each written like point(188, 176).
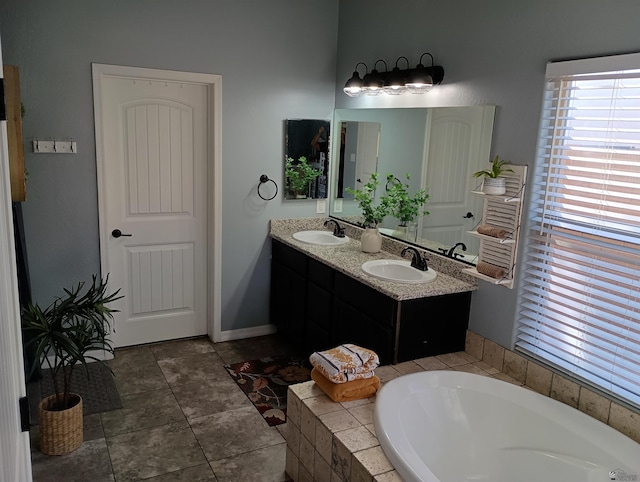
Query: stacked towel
point(489, 269)
point(345, 372)
point(348, 391)
point(489, 230)
point(345, 363)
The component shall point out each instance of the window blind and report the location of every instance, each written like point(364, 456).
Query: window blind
point(579, 303)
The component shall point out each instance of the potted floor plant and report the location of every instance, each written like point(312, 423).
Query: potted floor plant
point(299, 176)
point(66, 335)
point(405, 207)
point(372, 212)
point(492, 182)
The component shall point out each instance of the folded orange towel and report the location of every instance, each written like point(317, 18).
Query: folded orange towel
point(345, 362)
point(490, 269)
point(489, 230)
point(346, 392)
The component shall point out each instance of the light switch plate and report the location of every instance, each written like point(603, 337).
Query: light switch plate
point(337, 205)
point(321, 206)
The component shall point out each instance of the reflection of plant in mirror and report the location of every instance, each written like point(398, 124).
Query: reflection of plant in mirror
point(373, 215)
point(403, 206)
point(299, 175)
point(497, 168)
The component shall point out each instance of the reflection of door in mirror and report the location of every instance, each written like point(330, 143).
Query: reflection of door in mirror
point(307, 144)
point(358, 158)
point(456, 146)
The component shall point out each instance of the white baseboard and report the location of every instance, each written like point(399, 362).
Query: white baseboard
point(241, 333)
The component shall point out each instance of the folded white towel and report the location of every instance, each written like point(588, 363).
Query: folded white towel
point(345, 363)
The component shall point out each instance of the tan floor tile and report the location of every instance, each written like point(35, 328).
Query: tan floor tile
point(181, 348)
point(262, 465)
point(233, 432)
point(147, 453)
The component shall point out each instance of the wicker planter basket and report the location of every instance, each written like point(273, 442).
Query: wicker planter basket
point(60, 431)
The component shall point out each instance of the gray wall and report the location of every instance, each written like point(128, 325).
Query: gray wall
point(277, 61)
point(493, 52)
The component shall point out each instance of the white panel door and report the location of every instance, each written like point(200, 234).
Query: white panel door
point(457, 146)
point(15, 458)
point(154, 192)
point(366, 152)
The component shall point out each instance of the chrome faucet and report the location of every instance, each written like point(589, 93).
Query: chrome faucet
point(417, 261)
point(338, 231)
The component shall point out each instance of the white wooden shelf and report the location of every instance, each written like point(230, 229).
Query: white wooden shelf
point(492, 238)
point(507, 282)
point(503, 198)
point(503, 212)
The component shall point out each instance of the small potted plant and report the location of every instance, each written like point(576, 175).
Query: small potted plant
point(371, 240)
point(299, 176)
point(492, 182)
point(64, 335)
point(404, 207)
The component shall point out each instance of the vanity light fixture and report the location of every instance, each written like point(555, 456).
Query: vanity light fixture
point(418, 80)
point(394, 84)
point(373, 82)
point(353, 87)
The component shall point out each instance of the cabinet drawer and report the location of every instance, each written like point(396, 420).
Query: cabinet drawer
point(289, 257)
point(374, 304)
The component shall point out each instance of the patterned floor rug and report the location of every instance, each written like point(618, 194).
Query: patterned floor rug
point(265, 382)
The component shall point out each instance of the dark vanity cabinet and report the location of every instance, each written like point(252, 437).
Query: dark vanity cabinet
point(317, 307)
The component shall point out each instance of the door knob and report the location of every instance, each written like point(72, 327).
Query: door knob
point(469, 215)
point(116, 233)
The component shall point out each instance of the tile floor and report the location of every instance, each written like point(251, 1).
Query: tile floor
point(183, 419)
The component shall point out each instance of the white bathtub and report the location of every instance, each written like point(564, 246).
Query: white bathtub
point(447, 426)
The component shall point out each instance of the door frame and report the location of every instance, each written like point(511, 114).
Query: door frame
point(15, 458)
point(213, 83)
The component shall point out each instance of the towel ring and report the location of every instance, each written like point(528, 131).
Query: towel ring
point(264, 179)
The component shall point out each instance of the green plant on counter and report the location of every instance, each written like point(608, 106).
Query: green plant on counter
point(373, 214)
point(403, 206)
point(497, 168)
point(299, 175)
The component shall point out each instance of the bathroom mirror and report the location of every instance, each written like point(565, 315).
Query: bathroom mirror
point(440, 148)
point(306, 160)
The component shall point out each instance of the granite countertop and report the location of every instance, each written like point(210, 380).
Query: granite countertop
point(348, 259)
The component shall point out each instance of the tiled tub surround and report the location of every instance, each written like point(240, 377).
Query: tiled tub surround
point(336, 442)
point(348, 259)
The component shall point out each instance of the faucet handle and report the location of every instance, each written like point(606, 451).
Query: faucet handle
point(418, 261)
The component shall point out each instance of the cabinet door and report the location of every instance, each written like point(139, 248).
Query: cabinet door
point(372, 303)
point(288, 298)
point(351, 325)
point(319, 302)
point(433, 326)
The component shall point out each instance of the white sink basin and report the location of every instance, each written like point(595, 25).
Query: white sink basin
point(320, 238)
point(398, 271)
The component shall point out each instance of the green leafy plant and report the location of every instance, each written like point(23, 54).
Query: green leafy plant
point(65, 332)
point(497, 168)
point(403, 206)
point(300, 174)
point(373, 215)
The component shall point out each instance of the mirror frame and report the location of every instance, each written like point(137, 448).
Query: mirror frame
point(308, 138)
